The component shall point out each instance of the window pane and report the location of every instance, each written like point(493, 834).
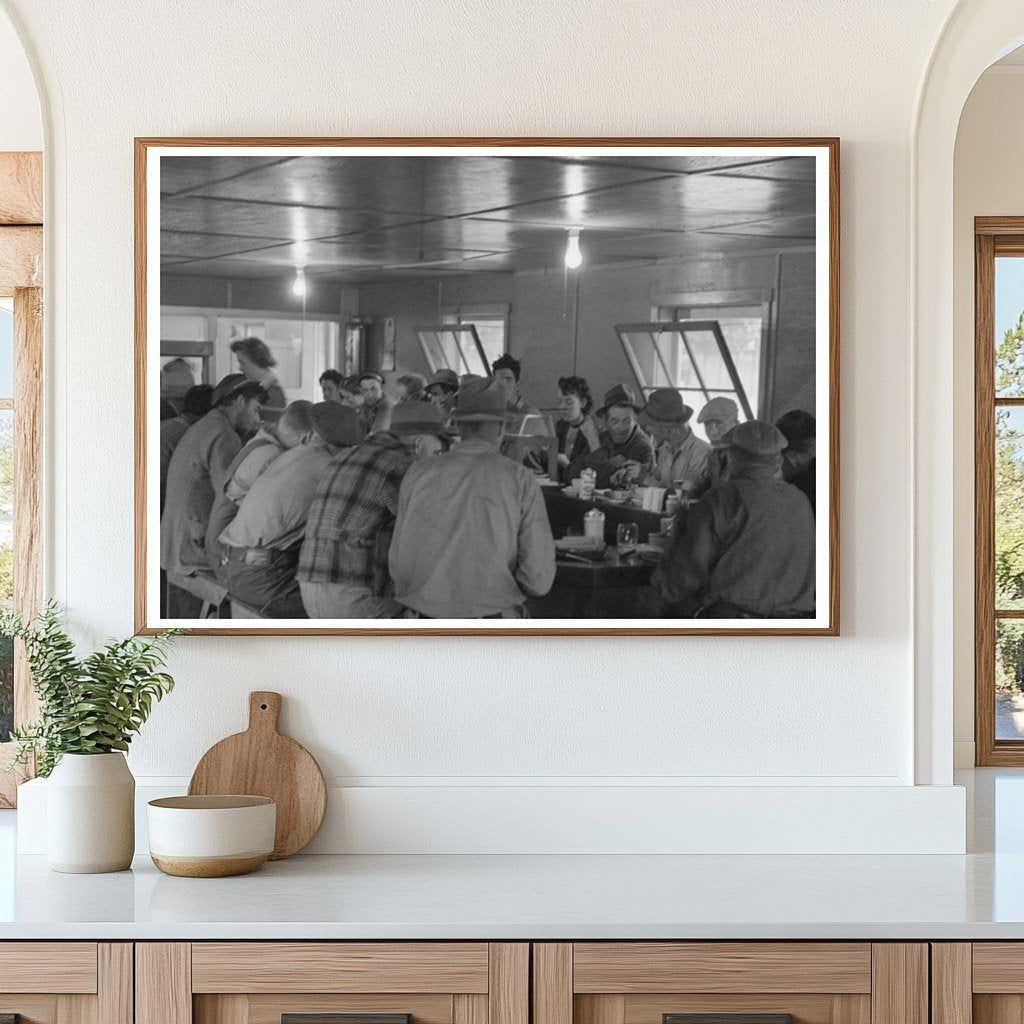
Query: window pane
point(1009, 679)
point(491, 332)
point(6, 567)
point(6, 353)
point(1009, 524)
point(1009, 323)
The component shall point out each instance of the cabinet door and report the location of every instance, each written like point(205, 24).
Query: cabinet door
point(66, 982)
point(981, 982)
point(730, 983)
point(332, 983)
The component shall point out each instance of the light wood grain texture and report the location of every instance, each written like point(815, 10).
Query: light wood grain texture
point(805, 1008)
point(509, 983)
point(606, 1009)
point(21, 188)
point(65, 967)
point(76, 1010)
point(163, 983)
point(34, 1009)
point(722, 967)
point(951, 983)
point(225, 1009)
point(28, 482)
point(28, 501)
point(552, 983)
point(984, 502)
point(831, 346)
point(467, 1009)
point(208, 867)
point(899, 990)
point(998, 967)
point(339, 967)
point(998, 1009)
point(262, 762)
point(21, 259)
point(268, 1008)
point(115, 1002)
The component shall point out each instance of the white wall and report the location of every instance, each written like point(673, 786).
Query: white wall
point(21, 127)
point(987, 182)
point(465, 711)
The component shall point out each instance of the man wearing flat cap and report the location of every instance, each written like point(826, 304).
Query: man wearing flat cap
point(682, 458)
point(472, 538)
point(746, 549)
point(718, 417)
point(260, 546)
point(626, 452)
point(198, 470)
point(343, 565)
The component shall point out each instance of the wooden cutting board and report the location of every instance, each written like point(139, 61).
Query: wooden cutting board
point(262, 762)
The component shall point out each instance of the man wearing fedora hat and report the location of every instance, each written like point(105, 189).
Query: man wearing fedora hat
point(343, 564)
point(197, 471)
point(260, 546)
point(682, 457)
point(626, 452)
point(745, 550)
point(472, 539)
point(442, 389)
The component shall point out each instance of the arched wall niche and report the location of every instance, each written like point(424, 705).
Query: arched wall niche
point(977, 33)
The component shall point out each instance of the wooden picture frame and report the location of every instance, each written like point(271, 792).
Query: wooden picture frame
point(174, 227)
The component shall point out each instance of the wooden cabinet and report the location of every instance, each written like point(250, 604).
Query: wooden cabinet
point(758, 982)
point(977, 983)
point(264, 982)
point(66, 982)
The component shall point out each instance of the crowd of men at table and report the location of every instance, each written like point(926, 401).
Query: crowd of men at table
point(367, 506)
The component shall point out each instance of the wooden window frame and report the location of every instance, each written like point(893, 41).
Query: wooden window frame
point(21, 278)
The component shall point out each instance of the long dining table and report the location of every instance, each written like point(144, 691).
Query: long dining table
point(604, 588)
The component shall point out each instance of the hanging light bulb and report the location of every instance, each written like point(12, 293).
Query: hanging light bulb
point(299, 284)
point(573, 256)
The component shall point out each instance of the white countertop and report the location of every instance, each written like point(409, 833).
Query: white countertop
point(516, 897)
point(977, 896)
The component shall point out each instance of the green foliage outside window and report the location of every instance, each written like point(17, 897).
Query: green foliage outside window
point(1009, 510)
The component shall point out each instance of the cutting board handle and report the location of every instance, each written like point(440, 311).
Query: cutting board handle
point(264, 710)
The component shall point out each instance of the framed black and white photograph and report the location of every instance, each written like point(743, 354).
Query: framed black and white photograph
point(531, 386)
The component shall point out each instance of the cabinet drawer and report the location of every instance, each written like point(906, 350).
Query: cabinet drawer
point(66, 982)
point(333, 983)
point(730, 983)
point(65, 967)
point(340, 967)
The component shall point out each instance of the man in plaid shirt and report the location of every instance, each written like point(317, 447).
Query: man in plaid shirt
point(343, 565)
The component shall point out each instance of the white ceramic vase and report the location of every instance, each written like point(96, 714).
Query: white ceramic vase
point(90, 814)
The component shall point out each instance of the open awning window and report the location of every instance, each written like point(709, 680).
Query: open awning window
point(453, 347)
point(691, 356)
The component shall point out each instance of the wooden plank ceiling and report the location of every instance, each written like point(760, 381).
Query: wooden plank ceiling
point(356, 219)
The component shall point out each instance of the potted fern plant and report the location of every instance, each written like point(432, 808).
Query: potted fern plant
point(89, 710)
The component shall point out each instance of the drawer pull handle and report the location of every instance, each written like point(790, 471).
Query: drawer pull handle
point(727, 1018)
point(340, 1018)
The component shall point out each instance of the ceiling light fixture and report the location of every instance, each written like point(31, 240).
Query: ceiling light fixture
point(299, 284)
point(573, 256)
